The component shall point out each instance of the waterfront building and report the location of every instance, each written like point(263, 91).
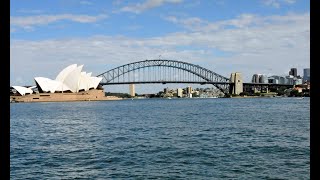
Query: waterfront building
point(277, 79)
point(259, 78)
point(290, 79)
point(196, 93)
point(263, 78)
point(293, 72)
point(22, 90)
point(165, 90)
point(189, 90)
point(306, 75)
point(179, 92)
point(70, 85)
point(297, 81)
point(282, 80)
point(255, 78)
point(273, 80)
point(70, 79)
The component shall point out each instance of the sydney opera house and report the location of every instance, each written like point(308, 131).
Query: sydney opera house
point(71, 84)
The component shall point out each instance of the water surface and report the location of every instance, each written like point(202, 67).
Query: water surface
point(249, 138)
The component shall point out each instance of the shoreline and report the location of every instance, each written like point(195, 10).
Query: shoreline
point(90, 95)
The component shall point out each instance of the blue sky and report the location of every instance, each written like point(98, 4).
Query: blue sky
point(247, 36)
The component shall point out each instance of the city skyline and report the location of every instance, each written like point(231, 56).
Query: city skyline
point(267, 37)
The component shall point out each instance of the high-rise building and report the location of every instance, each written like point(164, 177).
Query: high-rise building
point(275, 79)
point(290, 80)
point(263, 79)
point(179, 92)
point(255, 78)
point(189, 90)
point(259, 78)
point(166, 90)
point(297, 81)
point(293, 72)
point(306, 75)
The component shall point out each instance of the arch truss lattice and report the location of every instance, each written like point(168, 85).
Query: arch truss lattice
point(164, 71)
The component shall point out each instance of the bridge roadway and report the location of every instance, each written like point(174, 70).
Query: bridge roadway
point(268, 84)
point(164, 82)
point(194, 82)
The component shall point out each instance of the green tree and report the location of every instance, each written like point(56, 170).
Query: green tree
point(281, 91)
point(294, 93)
point(244, 94)
point(257, 94)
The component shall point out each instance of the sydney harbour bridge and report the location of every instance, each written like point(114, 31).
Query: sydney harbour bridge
point(173, 71)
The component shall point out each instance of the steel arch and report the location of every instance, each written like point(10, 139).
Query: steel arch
point(221, 82)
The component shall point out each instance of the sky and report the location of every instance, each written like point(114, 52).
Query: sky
point(248, 36)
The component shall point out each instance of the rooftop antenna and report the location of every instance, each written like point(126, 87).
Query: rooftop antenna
point(159, 56)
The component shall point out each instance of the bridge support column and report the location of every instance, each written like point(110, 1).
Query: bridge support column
point(132, 90)
point(237, 87)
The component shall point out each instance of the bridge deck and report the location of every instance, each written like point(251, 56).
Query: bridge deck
point(164, 82)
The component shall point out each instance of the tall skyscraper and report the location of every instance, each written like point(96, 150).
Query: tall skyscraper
point(293, 72)
point(306, 74)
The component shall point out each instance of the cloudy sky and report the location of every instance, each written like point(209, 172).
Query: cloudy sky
point(247, 36)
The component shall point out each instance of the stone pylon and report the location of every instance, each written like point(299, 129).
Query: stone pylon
point(237, 87)
point(132, 90)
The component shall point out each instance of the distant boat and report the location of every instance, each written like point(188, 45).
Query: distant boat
point(169, 98)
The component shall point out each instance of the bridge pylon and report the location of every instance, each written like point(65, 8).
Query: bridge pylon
point(237, 86)
point(132, 90)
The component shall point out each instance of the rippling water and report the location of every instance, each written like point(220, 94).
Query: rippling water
point(249, 138)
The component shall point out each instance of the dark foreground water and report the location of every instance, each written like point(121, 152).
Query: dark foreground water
point(257, 138)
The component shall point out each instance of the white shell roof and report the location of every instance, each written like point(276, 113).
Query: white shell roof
point(62, 75)
point(23, 90)
point(94, 82)
point(70, 78)
point(49, 85)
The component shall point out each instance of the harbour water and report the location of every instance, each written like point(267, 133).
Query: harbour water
point(248, 138)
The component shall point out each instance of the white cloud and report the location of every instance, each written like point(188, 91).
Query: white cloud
point(277, 3)
point(240, 22)
point(29, 11)
point(148, 4)
point(197, 24)
point(29, 21)
point(273, 3)
point(254, 45)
